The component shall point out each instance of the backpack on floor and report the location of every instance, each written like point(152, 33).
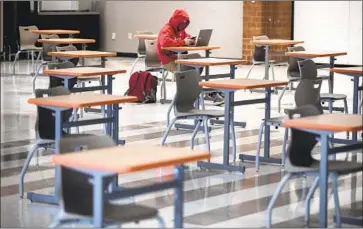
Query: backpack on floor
point(143, 85)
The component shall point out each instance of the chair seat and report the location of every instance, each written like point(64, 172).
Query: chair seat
point(276, 120)
point(324, 77)
point(332, 96)
point(30, 47)
point(128, 212)
point(197, 112)
point(340, 167)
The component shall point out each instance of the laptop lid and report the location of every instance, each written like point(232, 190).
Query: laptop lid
point(204, 37)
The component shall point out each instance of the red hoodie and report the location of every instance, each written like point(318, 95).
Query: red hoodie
point(170, 37)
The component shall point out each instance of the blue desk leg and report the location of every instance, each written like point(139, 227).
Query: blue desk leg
point(179, 197)
point(51, 199)
point(227, 119)
point(98, 200)
point(267, 127)
point(323, 181)
point(355, 102)
point(266, 156)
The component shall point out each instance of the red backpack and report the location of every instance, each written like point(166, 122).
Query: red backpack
point(143, 85)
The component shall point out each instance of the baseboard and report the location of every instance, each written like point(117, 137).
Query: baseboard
point(126, 54)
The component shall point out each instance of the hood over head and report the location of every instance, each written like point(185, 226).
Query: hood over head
point(179, 20)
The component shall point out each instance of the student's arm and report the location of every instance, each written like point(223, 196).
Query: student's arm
point(184, 34)
point(167, 41)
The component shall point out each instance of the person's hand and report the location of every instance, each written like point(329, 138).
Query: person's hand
point(188, 41)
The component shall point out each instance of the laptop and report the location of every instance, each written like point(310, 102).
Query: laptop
point(203, 37)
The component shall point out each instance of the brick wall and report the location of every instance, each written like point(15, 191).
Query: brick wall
point(272, 18)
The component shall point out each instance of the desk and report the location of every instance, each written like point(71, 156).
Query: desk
point(66, 41)
point(147, 36)
point(317, 54)
point(121, 160)
point(229, 87)
point(208, 62)
point(356, 73)
point(182, 49)
point(61, 103)
point(271, 42)
point(324, 125)
point(85, 72)
point(85, 54)
point(55, 31)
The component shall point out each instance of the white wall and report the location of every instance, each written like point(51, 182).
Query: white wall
point(123, 17)
point(330, 25)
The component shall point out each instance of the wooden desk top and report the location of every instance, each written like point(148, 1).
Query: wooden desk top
point(83, 54)
point(241, 84)
point(276, 42)
point(129, 158)
point(83, 71)
point(350, 70)
point(55, 31)
point(67, 41)
point(81, 100)
point(315, 54)
point(191, 48)
point(208, 62)
point(147, 36)
point(335, 122)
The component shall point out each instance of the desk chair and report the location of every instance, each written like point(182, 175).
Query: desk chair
point(293, 73)
point(76, 191)
point(153, 64)
point(300, 162)
point(27, 44)
point(307, 92)
point(311, 71)
point(187, 92)
point(259, 56)
point(141, 49)
point(44, 129)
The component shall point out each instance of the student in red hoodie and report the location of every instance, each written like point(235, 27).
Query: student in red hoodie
point(173, 34)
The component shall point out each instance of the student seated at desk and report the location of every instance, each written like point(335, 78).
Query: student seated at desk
point(173, 34)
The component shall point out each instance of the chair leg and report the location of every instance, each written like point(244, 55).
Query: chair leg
point(234, 141)
point(274, 197)
point(346, 111)
point(133, 65)
point(161, 222)
point(15, 59)
point(260, 133)
point(167, 131)
point(336, 200)
point(206, 132)
point(280, 98)
point(169, 111)
point(25, 168)
point(54, 224)
point(284, 144)
point(308, 199)
point(194, 134)
point(201, 99)
point(249, 71)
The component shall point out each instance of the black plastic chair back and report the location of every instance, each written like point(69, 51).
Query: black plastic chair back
point(293, 67)
point(45, 123)
point(76, 187)
point(187, 90)
point(302, 143)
